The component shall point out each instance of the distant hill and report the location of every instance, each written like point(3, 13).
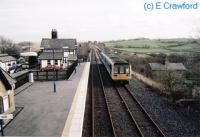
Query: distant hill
point(28, 46)
point(166, 46)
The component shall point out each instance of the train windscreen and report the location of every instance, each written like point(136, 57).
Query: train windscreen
point(121, 69)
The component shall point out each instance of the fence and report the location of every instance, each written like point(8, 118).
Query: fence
point(50, 75)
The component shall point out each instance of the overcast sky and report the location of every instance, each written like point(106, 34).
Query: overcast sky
point(31, 20)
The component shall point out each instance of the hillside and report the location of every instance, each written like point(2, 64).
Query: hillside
point(166, 46)
point(28, 46)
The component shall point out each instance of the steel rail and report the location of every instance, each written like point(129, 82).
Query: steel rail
point(110, 116)
point(125, 108)
point(93, 122)
point(160, 133)
point(145, 112)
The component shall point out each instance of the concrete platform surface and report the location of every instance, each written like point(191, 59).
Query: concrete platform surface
point(45, 112)
point(74, 123)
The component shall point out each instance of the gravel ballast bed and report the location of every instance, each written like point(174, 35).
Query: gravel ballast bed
point(175, 120)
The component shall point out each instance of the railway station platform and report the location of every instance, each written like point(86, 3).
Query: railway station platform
point(46, 113)
point(74, 123)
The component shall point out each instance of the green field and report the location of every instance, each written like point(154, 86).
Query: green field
point(166, 46)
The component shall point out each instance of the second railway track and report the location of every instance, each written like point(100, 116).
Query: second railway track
point(115, 110)
point(122, 122)
point(146, 125)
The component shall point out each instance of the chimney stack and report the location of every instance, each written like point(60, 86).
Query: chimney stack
point(54, 34)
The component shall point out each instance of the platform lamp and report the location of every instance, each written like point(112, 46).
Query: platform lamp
point(54, 81)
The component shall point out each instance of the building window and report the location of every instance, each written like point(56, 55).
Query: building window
point(48, 62)
point(56, 62)
point(1, 105)
point(5, 103)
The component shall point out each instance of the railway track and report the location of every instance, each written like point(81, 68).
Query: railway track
point(101, 124)
point(115, 110)
point(146, 125)
point(122, 122)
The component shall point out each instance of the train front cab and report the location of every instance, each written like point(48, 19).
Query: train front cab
point(121, 72)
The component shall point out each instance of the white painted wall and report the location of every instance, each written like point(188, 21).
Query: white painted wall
point(66, 54)
point(51, 62)
point(59, 62)
point(5, 66)
point(44, 63)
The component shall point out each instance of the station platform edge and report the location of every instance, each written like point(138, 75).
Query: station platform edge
point(74, 124)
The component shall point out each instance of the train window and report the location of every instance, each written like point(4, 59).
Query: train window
point(116, 70)
point(126, 70)
point(121, 69)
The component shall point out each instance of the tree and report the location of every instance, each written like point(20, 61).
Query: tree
point(7, 46)
point(5, 42)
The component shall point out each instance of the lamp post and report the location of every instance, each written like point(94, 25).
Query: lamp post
point(54, 82)
point(1, 124)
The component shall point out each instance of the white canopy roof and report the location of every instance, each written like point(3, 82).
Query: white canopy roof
point(25, 54)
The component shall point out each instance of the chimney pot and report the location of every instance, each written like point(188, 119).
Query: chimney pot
point(54, 34)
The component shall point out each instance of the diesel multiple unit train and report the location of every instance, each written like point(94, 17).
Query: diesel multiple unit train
point(118, 69)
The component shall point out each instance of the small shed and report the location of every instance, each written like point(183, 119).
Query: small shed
point(6, 62)
point(167, 70)
point(167, 67)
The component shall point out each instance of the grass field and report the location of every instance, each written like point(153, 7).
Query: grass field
point(166, 46)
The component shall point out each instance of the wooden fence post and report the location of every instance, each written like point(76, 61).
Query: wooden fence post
point(46, 75)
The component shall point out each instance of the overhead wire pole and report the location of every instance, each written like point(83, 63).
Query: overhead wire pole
point(54, 83)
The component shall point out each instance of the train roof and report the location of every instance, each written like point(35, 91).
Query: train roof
point(115, 59)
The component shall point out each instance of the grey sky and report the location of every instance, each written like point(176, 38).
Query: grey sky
point(31, 20)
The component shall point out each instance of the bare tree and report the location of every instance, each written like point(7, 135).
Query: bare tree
point(5, 42)
point(8, 46)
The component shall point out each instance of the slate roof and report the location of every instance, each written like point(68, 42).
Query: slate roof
point(167, 66)
point(20, 73)
point(7, 80)
point(72, 57)
point(1, 54)
point(6, 58)
point(58, 43)
point(49, 55)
